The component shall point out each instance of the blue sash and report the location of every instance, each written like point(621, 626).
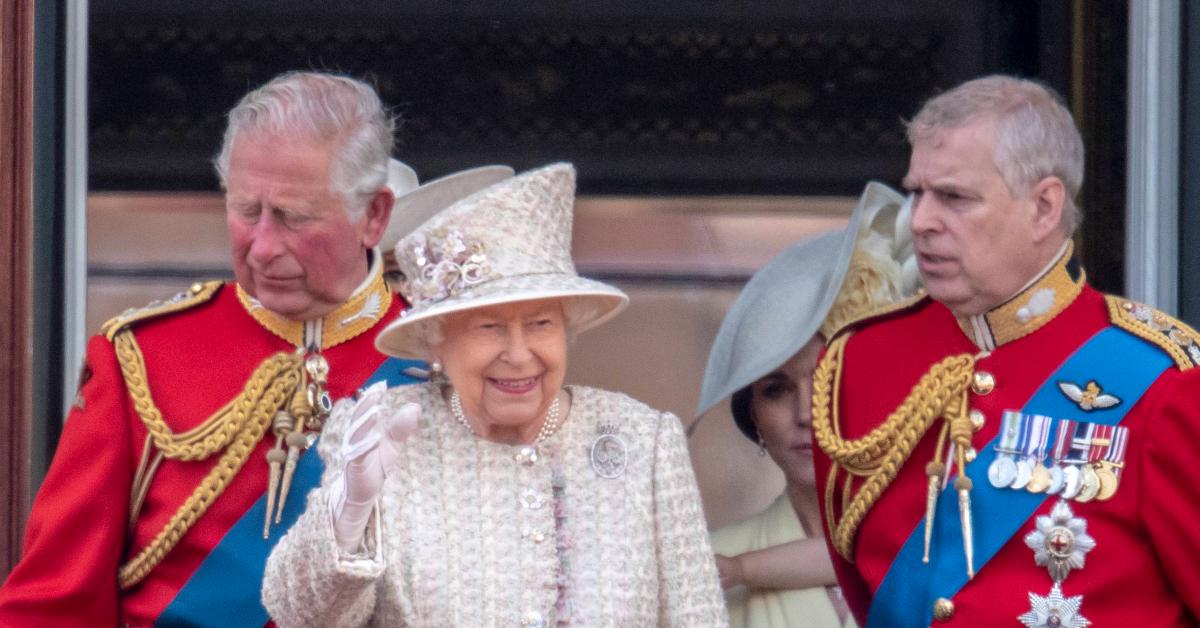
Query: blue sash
point(1125, 366)
point(226, 590)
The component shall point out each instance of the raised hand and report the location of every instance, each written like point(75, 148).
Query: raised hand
point(370, 449)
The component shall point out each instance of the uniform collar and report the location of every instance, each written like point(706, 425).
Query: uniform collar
point(366, 305)
point(1049, 293)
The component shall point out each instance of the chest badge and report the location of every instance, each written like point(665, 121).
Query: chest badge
point(1090, 397)
point(1059, 543)
point(1054, 611)
point(608, 453)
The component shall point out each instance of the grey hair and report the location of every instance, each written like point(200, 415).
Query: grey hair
point(1036, 136)
point(324, 108)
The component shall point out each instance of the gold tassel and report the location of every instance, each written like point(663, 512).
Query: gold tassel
point(961, 431)
point(280, 426)
point(295, 442)
point(302, 411)
point(963, 485)
point(934, 470)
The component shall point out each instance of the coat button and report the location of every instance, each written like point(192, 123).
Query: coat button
point(943, 609)
point(531, 499)
point(977, 419)
point(983, 383)
point(532, 619)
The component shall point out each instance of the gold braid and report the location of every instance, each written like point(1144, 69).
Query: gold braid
point(211, 436)
point(270, 388)
point(878, 456)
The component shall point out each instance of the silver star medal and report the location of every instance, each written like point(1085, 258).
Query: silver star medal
point(1059, 544)
point(1054, 611)
point(1060, 541)
point(608, 454)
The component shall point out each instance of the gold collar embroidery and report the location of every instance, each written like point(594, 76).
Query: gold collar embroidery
point(358, 314)
point(1035, 305)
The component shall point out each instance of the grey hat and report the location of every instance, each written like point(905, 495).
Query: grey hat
point(785, 302)
point(414, 204)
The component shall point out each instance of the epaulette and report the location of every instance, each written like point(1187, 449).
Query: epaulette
point(195, 295)
point(882, 311)
point(1171, 335)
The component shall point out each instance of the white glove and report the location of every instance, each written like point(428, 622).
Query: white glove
point(370, 449)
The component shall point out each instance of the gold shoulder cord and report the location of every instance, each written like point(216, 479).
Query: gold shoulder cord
point(878, 456)
point(1176, 338)
point(236, 428)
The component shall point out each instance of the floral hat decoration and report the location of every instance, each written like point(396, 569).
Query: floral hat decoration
point(817, 285)
point(508, 242)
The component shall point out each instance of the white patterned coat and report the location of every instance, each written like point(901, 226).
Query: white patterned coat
point(474, 534)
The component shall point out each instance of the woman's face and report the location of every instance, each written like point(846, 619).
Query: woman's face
point(781, 406)
point(507, 363)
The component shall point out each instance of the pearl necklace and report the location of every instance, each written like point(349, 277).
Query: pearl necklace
point(549, 426)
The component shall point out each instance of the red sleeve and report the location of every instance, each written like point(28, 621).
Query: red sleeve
point(1168, 496)
point(75, 537)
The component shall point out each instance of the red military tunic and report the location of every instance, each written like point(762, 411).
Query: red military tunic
point(196, 360)
point(1143, 571)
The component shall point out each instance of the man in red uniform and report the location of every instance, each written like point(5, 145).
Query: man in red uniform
point(1013, 448)
point(182, 461)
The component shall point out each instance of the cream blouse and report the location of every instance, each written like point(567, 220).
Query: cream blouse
point(599, 525)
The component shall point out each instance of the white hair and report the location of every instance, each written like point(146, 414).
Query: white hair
point(326, 109)
point(1036, 136)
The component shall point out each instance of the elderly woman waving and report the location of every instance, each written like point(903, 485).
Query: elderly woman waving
point(494, 494)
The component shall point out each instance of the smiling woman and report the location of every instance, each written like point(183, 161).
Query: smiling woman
point(494, 494)
point(507, 364)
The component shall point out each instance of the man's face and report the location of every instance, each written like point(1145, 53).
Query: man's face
point(975, 242)
point(295, 248)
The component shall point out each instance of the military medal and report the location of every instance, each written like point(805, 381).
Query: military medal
point(1101, 439)
point(1108, 469)
point(1071, 483)
point(1108, 482)
point(1079, 477)
point(1058, 476)
point(1024, 473)
point(1039, 480)
point(1003, 470)
point(1054, 611)
point(1056, 479)
point(1089, 484)
point(1059, 542)
point(1035, 430)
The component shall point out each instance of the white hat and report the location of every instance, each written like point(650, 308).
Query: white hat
point(414, 204)
point(509, 242)
point(785, 302)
